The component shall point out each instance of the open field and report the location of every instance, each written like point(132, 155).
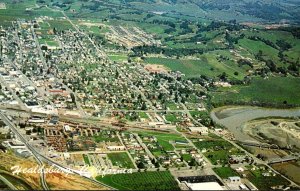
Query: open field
point(207, 65)
point(141, 181)
point(60, 24)
point(225, 172)
point(120, 159)
point(290, 169)
point(164, 139)
point(265, 182)
point(217, 150)
point(24, 9)
point(118, 57)
point(275, 91)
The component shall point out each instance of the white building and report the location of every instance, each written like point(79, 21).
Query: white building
point(204, 186)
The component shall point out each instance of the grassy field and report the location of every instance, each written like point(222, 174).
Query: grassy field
point(225, 172)
point(141, 181)
point(186, 157)
point(60, 24)
point(265, 182)
point(117, 57)
point(121, 160)
point(143, 115)
point(23, 9)
point(172, 118)
point(191, 68)
point(275, 90)
point(218, 150)
point(164, 139)
point(207, 65)
point(213, 143)
point(105, 138)
point(86, 160)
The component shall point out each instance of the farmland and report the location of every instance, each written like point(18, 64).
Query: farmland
point(141, 181)
point(291, 170)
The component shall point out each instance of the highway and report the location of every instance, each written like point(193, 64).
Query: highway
point(40, 157)
point(32, 150)
point(9, 184)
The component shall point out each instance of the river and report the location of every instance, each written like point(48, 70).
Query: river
point(234, 117)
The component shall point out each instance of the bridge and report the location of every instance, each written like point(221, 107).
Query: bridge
point(281, 160)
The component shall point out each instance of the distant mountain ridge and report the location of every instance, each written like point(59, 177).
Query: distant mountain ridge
point(241, 10)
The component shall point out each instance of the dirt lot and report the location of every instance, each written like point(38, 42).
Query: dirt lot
point(156, 68)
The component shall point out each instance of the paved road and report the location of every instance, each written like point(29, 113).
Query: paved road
point(9, 184)
point(30, 148)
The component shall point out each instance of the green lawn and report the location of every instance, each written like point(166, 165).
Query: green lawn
point(186, 157)
point(104, 137)
point(225, 172)
point(86, 160)
point(141, 181)
point(143, 115)
point(172, 118)
point(121, 160)
point(118, 57)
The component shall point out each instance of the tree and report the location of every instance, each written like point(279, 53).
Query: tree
point(144, 106)
point(141, 165)
point(192, 162)
point(73, 97)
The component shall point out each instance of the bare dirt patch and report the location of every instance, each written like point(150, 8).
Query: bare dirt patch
point(156, 68)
